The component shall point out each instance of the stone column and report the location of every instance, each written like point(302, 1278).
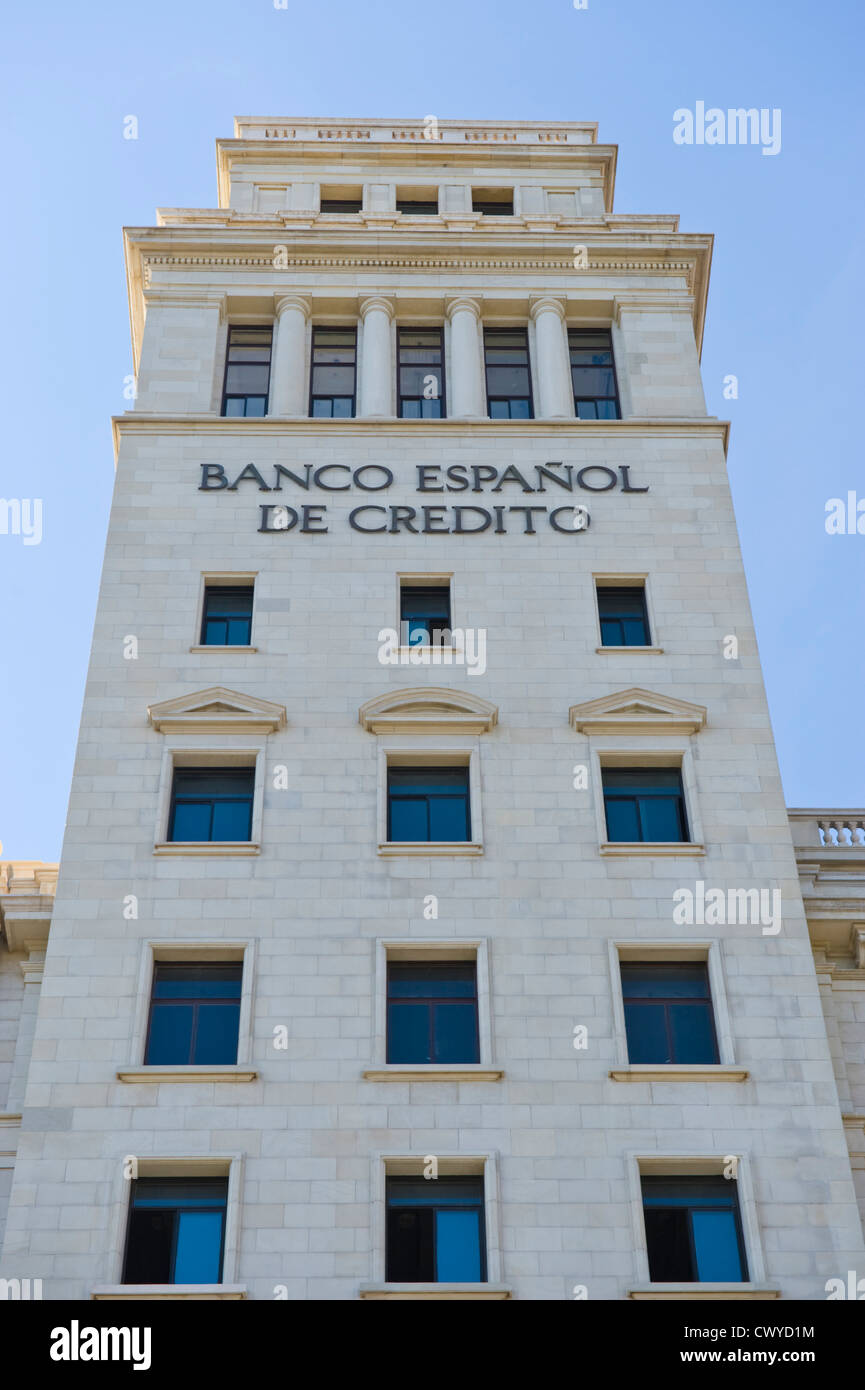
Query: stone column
point(466, 396)
point(376, 360)
point(288, 384)
point(31, 969)
point(552, 366)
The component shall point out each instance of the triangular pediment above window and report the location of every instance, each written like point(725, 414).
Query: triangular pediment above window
point(637, 711)
point(431, 711)
point(216, 711)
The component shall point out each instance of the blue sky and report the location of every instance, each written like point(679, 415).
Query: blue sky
point(785, 306)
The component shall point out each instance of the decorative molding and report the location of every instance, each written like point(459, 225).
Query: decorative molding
point(434, 1291)
point(216, 710)
point(425, 849)
point(161, 1075)
point(652, 849)
point(428, 710)
point(133, 1293)
point(467, 1071)
point(675, 1071)
point(637, 711)
point(703, 1291)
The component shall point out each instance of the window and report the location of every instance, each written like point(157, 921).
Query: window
point(509, 389)
point(424, 613)
point(428, 803)
point(624, 617)
point(247, 371)
point(227, 615)
point(194, 1014)
point(432, 1012)
point(693, 1230)
point(340, 205)
point(668, 1012)
point(334, 360)
point(176, 1231)
point(644, 803)
point(210, 803)
point(593, 374)
point(418, 207)
point(421, 373)
point(435, 1230)
point(495, 202)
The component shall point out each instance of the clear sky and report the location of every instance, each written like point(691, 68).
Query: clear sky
point(785, 307)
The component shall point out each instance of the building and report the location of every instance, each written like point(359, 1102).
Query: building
point(429, 922)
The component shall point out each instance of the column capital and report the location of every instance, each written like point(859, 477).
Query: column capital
point(469, 302)
point(378, 301)
point(301, 302)
point(547, 304)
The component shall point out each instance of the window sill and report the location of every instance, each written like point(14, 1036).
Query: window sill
point(435, 1291)
point(424, 849)
point(675, 1071)
point(703, 1291)
point(213, 848)
point(159, 1075)
point(229, 647)
point(417, 1071)
point(135, 1293)
point(646, 651)
point(644, 849)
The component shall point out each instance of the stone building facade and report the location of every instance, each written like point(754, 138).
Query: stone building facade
point(429, 923)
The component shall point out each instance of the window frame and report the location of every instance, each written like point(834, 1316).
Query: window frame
point(490, 330)
point(632, 751)
point(196, 1005)
point(432, 1002)
point(637, 588)
point(182, 754)
point(587, 331)
point(335, 328)
point(667, 1003)
point(731, 1206)
point(672, 951)
point(214, 579)
point(442, 398)
point(175, 1230)
point(210, 593)
point(492, 202)
point(246, 395)
point(479, 1207)
point(192, 952)
point(443, 751)
point(682, 809)
point(212, 800)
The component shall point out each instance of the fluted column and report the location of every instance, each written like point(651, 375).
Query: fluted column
point(465, 386)
point(376, 358)
point(288, 389)
point(553, 369)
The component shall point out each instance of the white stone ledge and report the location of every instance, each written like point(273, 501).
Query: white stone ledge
point(417, 1071)
point(646, 849)
point(435, 1291)
point(10, 1119)
point(134, 1293)
point(226, 650)
point(160, 1075)
point(673, 1071)
point(602, 651)
point(691, 1292)
point(207, 848)
point(425, 849)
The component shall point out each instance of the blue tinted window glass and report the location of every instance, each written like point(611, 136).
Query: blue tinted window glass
point(693, 1033)
point(170, 1036)
point(458, 1249)
point(256, 405)
point(670, 980)
point(408, 1032)
point(411, 410)
point(520, 410)
point(231, 820)
point(622, 822)
point(499, 410)
point(659, 817)
point(448, 818)
point(342, 408)
point(634, 630)
point(216, 1034)
point(322, 409)
point(238, 632)
point(646, 1030)
point(408, 819)
point(455, 1028)
point(198, 1257)
point(235, 407)
point(716, 1246)
point(191, 820)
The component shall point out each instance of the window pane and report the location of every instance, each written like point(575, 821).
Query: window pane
point(659, 818)
point(455, 1033)
point(693, 1033)
point(434, 602)
point(191, 821)
point(645, 1025)
point(322, 409)
point(198, 1258)
point(342, 408)
point(508, 381)
point(449, 818)
point(499, 410)
point(593, 381)
point(170, 1038)
point(669, 1246)
point(238, 632)
point(245, 379)
point(408, 819)
point(411, 410)
point(665, 980)
point(195, 981)
point(235, 407)
point(520, 410)
point(216, 1034)
point(634, 632)
point(622, 822)
point(232, 820)
point(255, 405)
point(422, 980)
point(333, 380)
point(408, 1032)
point(458, 1246)
point(717, 1246)
point(410, 1248)
point(148, 1249)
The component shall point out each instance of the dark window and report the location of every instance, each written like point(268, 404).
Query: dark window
point(624, 618)
point(227, 619)
point(693, 1230)
point(247, 371)
point(334, 359)
point(493, 207)
point(428, 803)
point(509, 387)
point(340, 205)
point(425, 614)
point(644, 803)
point(194, 1014)
point(432, 1012)
point(176, 1231)
point(421, 374)
point(211, 803)
point(418, 207)
point(593, 374)
point(668, 1012)
point(435, 1231)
